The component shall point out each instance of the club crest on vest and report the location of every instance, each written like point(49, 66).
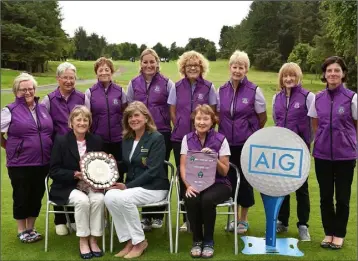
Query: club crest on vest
point(296, 105)
point(157, 88)
point(115, 101)
point(200, 96)
point(200, 174)
point(341, 110)
point(245, 101)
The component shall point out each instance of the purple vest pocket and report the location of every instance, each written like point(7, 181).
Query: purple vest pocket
point(200, 169)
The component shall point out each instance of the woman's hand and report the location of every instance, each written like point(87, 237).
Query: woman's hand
point(78, 175)
point(190, 191)
point(207, 150)
point(117, 185)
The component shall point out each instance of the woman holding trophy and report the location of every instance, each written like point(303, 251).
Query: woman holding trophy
point(201, 206)
point(68, 186)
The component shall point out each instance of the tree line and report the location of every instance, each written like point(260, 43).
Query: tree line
point(303, 32)
point(272, 33)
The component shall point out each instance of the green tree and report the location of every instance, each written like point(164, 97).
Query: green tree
point(299, 55)
point(142, 48)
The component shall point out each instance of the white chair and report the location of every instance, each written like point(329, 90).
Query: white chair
point(66, 212)
point(167, 212)
point(231, 204)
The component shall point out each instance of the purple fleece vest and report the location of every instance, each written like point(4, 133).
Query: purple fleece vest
point(213, 141)
point(155, 97)
point(336, 137)
point(186, 103)
point(28, 143)
point(238, 127)
point(106, 108)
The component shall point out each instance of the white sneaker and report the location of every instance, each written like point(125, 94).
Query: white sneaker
point(303, 233)
point(183, 228)
point(146, 225)
point(157, 223)
point(61, 230)
point(231, 226)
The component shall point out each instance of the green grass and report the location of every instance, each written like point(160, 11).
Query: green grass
point(66, 248)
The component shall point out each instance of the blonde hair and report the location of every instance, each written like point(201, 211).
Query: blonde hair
point(205, 109)
point(128, 132)
point(240, 57)
point(80, 110)
point(290, 69)
point(185, 57)
point(22, 78)
point(152, 52)
point(102, 61)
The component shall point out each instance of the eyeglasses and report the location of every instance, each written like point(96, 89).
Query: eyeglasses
point(66, 78)
point(26, 90)
point(195, 65)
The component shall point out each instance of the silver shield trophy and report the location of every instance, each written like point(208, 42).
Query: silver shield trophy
point(99, 169)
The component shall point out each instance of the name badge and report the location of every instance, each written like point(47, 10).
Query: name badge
point(144, 150)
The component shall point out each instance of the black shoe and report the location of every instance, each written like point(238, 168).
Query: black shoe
point(97, 254)
point(88, 255)
point(326, 244)
point(335, 246)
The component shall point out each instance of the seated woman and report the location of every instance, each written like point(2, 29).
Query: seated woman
point(201, 207)
point(143, 150)
point(65, 173)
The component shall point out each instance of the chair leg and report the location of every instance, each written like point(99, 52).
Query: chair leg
point(104, 231)
point(177, 229)
point(111, 237)
point(68, 220)
point(46, 226)
point(169, 221)
point(235, 229)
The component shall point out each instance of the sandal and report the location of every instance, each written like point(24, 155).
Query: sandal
point(242, 227)
point(208, 251)
point(35, 235)
point(196, 250)
point(25, 237)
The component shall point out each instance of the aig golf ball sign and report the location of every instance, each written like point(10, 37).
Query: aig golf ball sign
point(279, 161)
point(275, 161)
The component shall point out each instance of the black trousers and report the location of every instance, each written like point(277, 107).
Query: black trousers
point(28, 184)
point(202, 211)
point(303, 207)
point(168, 148)
point(176, 149)
point(245, 196)
point(335, 176)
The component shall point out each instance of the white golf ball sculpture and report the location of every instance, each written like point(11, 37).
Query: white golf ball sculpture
point(275, 161)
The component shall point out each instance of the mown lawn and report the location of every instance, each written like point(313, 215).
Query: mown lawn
point(66, 248)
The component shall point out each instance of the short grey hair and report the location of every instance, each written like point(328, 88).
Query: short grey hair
point(22, 78)
point(240, 57)
point(65, 66)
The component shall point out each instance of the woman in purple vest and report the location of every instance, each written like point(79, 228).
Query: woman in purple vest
point(290, 107)
point(201, 206)
point(152, 88)
point(107, 101)
point(29, 128)
point(334, 122)
point(59, 104)
point(188, 93)
point(242, 111)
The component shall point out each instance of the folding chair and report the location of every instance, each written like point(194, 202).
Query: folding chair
point(231, 204)
point(66, 212)
point(167, 212)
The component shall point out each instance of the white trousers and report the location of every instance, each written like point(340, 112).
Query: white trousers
point(89, 212)
point(122, 205)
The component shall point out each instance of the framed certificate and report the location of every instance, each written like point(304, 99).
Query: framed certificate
point(200, 169)
point(99, 170)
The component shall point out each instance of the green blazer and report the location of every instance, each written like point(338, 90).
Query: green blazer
point(146, 168)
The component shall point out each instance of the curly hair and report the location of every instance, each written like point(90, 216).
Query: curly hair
point(290, 69)
point(193, 55)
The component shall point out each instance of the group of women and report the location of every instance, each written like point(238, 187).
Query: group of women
point(135, 129)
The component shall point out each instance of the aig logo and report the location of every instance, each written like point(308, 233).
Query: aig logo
point(277, 161)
